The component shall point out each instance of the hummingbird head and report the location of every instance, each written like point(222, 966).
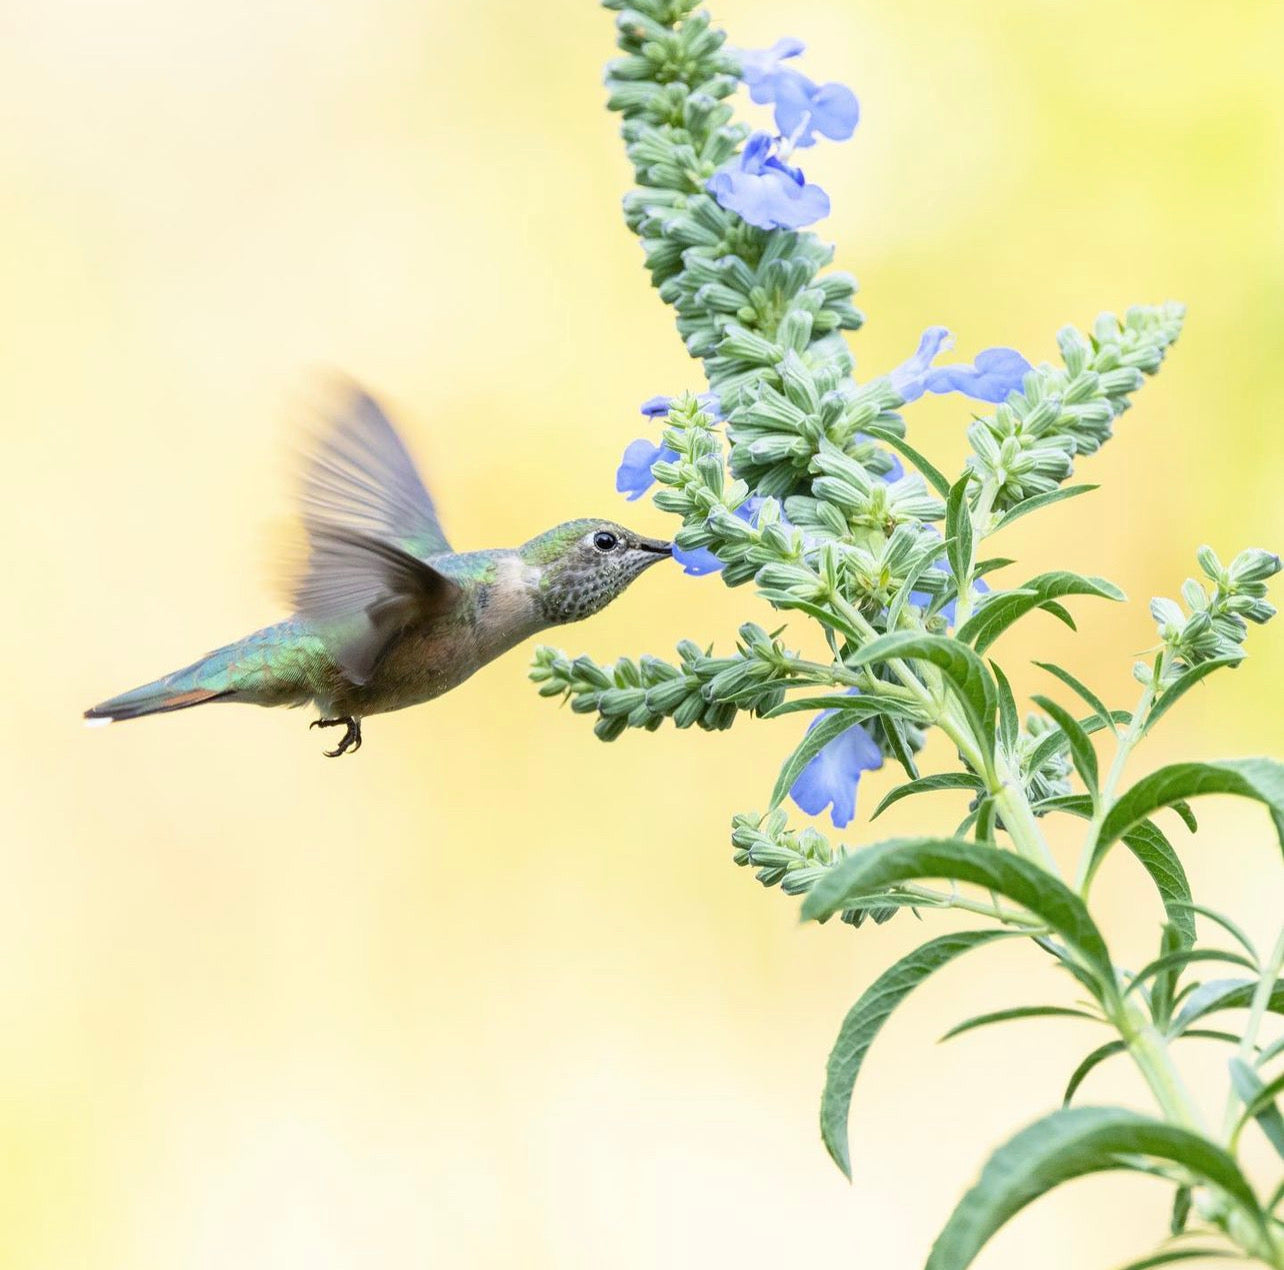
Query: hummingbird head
point(584, 564)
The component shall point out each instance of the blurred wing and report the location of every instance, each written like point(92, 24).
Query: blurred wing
point(368, 520)
point(360, 477)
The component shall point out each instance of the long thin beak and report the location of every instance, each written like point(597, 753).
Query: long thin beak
point(656, 545)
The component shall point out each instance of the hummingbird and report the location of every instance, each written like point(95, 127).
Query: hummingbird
point(387, 614)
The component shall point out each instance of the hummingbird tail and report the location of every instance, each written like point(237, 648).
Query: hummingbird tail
point(153, 698)
point(262, 668)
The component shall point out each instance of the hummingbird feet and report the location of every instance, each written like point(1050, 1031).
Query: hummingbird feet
point(351, 738)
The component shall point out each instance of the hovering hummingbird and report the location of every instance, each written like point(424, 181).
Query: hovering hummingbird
point(387, 614)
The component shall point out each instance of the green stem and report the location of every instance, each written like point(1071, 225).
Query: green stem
point(1256, 1013)
point(949, 899)
point(1106, 797)
point(1019, 820)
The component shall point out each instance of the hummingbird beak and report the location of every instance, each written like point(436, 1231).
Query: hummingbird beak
point(656, 546)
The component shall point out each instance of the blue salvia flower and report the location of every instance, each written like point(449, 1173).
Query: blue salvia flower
point(765, 191)
point(831, 778)
point(633, 477)
point(993, 377)
point(803, 108)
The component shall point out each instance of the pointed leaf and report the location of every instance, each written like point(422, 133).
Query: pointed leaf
point(1184, 957)
point(1085, 757)
point(1009, 718)
point(1056, 743)
point(1090, 698)
point(1258, 778)
point(958, 528)
point(866, 1018)
point(1017, 1012)
point(1223, 994)
point(828, 728)
point(906, 859)
point(927, 785)
point(1068, 1144)
point(1004, 608)
point(855, 705)
point(1181, 1254)
point(1038, 501)
point(963, 669)
point(934, 477)
point(1259, 1102)
point(1230, 927)
point(1183, 684)
point(1155, 854)
point(1110, 1048)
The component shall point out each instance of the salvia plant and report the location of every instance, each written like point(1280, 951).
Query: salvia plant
point(788, 473)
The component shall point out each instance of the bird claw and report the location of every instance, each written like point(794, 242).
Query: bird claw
point(351, 739)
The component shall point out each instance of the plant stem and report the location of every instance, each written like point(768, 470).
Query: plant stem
point(1105, 799)
point(1256, 1013)
point(949, 899)
point(1019, 821)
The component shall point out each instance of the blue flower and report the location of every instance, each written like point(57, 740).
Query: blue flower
point(633, 477)
point(830, 779)
point(758, 65)
point(766, 192)
point(802, 107)
point(993, 377)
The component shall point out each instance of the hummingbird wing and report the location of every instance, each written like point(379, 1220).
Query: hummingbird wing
point(361, 476)
point(369, 521)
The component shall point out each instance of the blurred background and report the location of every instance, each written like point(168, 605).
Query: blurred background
point(492, 993)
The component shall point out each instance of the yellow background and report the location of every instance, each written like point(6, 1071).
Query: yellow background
point(492, 993)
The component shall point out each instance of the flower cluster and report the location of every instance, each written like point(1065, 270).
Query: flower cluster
point(790, 474)
point(1217, 624)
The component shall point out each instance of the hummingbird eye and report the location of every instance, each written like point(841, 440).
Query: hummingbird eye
point(603, 540)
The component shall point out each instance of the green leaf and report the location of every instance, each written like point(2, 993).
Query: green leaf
point(866, 1018)
point(905, 859)
point(1223, 994)
point(1017, 1012)
point(1110, 1048)
point(965, 672)
point(958, 529)
point(1259, 1102)
point(1230, 927)
point(1055, 742)
point(1090, 698)
point(1155, 854)
point(826, 728)
point(901, 750)
point(1085, 757)
point(1181, 1210)
point(860, 705)
point(934, 477)
point(1068, 1144)
point(1060, 612)
point(998, 613)
point(1258, 778)
point(1181, 1254)
point(826, 617)
point(1184, 957)
point(1098, 1056)
point(1040, 501)
point(1009, 719)
point(1183, 684)
point(928, 785)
